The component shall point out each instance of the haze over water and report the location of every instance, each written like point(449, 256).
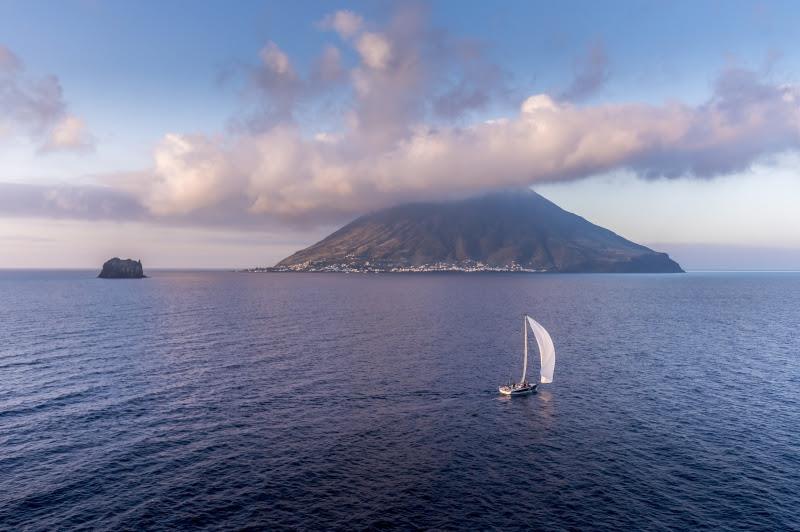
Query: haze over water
point(221, 400)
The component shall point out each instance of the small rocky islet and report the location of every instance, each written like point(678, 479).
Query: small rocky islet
point(117, 268)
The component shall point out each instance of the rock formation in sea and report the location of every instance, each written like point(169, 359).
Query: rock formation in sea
point(117, 268)
point(515, 230)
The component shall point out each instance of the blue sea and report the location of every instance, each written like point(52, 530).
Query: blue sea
point(222, 400)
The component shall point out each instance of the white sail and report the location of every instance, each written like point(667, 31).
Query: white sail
point(547, 350)
point(525, 355)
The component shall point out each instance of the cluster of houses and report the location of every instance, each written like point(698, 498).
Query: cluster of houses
point(386, 267)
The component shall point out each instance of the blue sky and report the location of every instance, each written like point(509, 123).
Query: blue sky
point(172, 105)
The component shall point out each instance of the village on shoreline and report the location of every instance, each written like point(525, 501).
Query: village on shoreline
point(381, 267)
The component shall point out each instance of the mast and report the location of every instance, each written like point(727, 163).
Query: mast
point(525, 356)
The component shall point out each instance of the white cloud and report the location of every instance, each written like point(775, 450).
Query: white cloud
point(538, 102)
point(35, 107)
point(286, 175)
point(346, 23)
point(392, 145)
point(276, 59)
point(375, 50)
point(387, 150)
point(69, 133)
point(191, 172)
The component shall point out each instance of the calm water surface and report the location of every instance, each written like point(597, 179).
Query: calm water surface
point(225, 400)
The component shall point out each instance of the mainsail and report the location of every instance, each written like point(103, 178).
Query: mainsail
point(547, 350)
point(525, 355)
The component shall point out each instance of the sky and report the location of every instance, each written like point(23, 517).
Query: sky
point(228, 135)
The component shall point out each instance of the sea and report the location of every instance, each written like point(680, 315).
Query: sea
point(293, 401)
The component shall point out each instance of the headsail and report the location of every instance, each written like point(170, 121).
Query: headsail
point(547, 350)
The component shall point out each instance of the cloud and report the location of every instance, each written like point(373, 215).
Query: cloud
point(69, 133)
point(411, 73)
point(36, 108)
point(409, 133)
point(375, 50)
point(9, 62)
point(404, 72)
point(591, 73)
point(345, 23)
point(191, 172)
point(328, 67)
point(277, 61)
point(284, 174)
point(88, 202)
point(278, 88)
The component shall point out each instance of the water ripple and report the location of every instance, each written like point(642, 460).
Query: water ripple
point(224, 401)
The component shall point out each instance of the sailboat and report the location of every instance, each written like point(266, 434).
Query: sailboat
point(547, 355)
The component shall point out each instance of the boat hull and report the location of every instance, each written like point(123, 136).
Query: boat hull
point(513, 391)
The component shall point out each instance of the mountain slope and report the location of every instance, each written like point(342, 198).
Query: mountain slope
point(504, 230)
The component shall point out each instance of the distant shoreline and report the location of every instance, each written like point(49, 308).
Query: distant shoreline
point(276, 270)
point(388, 267)
point(266, 270)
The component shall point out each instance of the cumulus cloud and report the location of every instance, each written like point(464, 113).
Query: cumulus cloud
point(285, 174)
point(277, 61)
point(408, 134)
point(35, 107)
point(404, 73)
point(328, 67)
point(410, 73)
point(278, 88)
point(345, 23)
point(375, 50)
point(191, 172)
point(69, 133)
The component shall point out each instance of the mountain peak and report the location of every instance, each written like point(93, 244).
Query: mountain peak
point(507, 230)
